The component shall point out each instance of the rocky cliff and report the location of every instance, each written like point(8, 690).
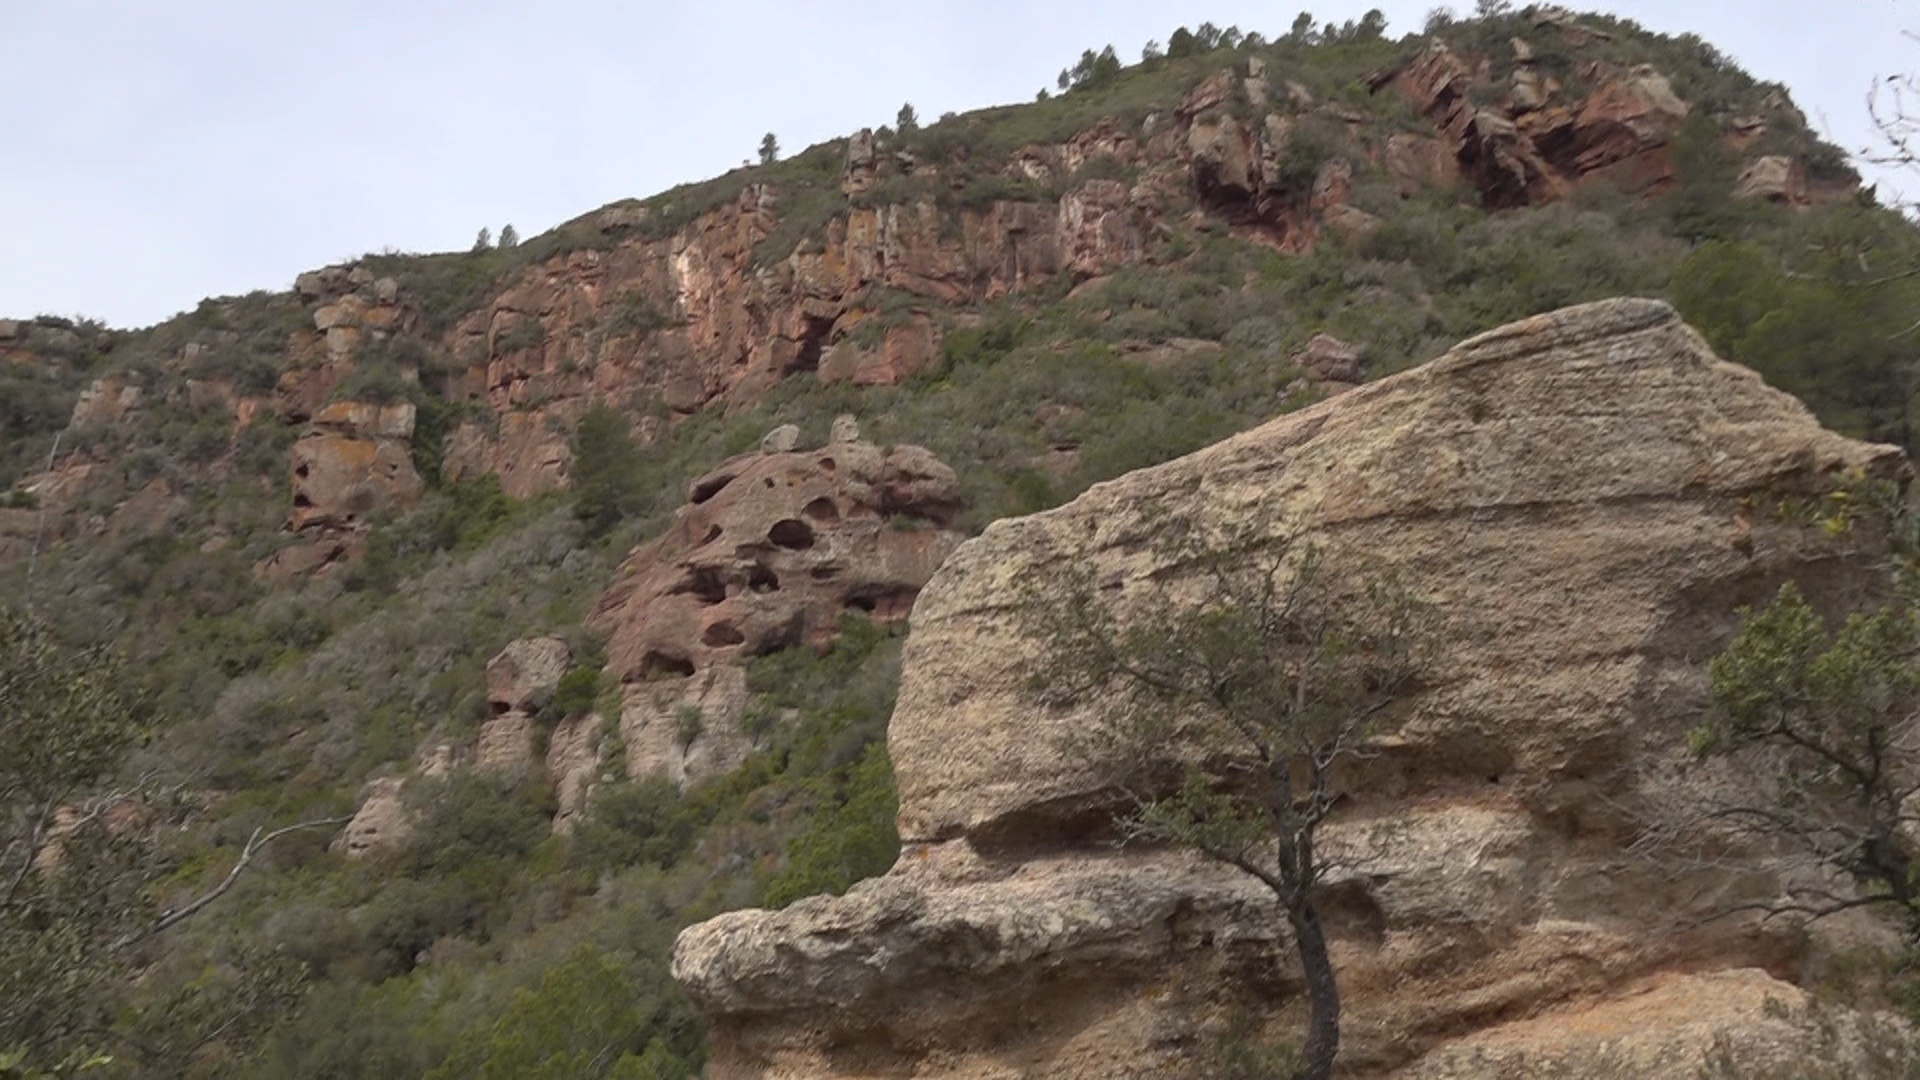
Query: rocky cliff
point(771, 550)
point(1578, 493)
point(845, 264)
point(311, 516)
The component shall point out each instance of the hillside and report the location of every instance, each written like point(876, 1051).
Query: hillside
point(576, 571)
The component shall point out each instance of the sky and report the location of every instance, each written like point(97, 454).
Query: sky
point(159, 151)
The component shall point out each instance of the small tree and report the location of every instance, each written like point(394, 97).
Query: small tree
point(907, 121)
point(1273, 677)
point(769, 149)
point(79, 867)
point(1092, 71)
point(483, 240)
point(606, 469)
point(509, 236)
point(1826, 717)
point(69, 885)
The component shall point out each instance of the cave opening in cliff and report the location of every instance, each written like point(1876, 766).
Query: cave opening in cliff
point(814, 331)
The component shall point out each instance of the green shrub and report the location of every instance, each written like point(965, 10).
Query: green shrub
point(633, 313)
point(576, 693)
point(525, 333)
point(632, 823)
point(469, 818)
point(850, 838)
point(606, 469)
point(583, 1020)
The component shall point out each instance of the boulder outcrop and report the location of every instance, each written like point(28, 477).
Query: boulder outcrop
point(770, 550)
point(354, 460)
point(1536, 147)
point(520, 680)
point(380, 824)
point(1576, 493)
point(1775, 178)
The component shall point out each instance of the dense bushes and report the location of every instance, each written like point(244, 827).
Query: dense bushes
point(1832, 325)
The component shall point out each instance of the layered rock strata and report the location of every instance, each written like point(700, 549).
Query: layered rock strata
point(1577, 493)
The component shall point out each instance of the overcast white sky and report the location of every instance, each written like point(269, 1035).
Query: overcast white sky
point(159, 151)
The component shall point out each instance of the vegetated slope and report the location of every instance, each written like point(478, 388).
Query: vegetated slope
point(311, 517)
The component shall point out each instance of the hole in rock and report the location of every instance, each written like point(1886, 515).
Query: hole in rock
point(301, 502)
point(824, 573)
point(500, 708)
point(762, 580)
point(769, 481)
point(792, 534)
point(1349, 910)
point(660, 665)
point(813, 340)
point(721, 634)
point(704, 584)
point(884, 603)
point(822, 510)
point(301, 470)
point(827, 465)
point(709, 486)
point(713, 533)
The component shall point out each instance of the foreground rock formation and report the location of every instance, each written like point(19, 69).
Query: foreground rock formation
point(1577, 492)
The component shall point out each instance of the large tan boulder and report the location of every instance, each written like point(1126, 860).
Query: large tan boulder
point(1576, 493)
point(522, 675)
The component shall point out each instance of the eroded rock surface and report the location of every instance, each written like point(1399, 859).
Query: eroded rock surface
point(380, 824)
point(353, 460)
point(770, 550)
point(1538, 146)
point(1574, 492)
point(772, 547)
point(519, 681)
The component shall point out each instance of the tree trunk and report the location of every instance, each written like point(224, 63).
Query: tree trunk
point(1323, 994)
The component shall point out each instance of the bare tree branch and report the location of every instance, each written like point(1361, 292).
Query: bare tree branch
point(254, 845)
